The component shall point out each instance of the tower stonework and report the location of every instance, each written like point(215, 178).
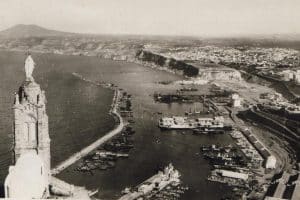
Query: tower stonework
point(30, 177)
point(31, 132)
point(31, 122)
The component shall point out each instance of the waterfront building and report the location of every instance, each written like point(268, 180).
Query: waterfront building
point(297, 77)
point(155, 183)
point(271, 162)
point(286, 75)
point(269, 159)
point(290, 75)
point(236, 100)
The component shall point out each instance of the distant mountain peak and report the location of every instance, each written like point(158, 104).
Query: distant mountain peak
point(30, 30)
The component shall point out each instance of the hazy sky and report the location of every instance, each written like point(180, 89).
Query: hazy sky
point(162, 17)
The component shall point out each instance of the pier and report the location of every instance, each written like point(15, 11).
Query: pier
point(153, 184)
point(84, 152)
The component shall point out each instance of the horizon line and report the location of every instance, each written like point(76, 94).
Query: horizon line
point(212, 36)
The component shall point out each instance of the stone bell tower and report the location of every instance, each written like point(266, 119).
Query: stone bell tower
point(30, 119)
point(30, 177)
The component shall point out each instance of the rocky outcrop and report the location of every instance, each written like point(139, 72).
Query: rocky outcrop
point(178, 66)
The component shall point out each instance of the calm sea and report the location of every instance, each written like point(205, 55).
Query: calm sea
point(78, 114)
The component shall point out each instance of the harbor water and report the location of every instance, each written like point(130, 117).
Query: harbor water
point(78, 115)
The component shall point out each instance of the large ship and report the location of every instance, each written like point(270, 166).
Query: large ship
point(198, 124)
point(176, 123)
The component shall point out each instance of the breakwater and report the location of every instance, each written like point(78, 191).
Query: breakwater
point(85, 151)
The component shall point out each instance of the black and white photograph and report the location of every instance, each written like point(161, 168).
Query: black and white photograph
point(150, 99)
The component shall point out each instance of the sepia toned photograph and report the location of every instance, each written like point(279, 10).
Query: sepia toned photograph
point(150, 99)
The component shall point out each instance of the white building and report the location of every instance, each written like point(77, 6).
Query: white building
point(287, 75)
point(297, 77)
point(236, 100)
point(271, 162)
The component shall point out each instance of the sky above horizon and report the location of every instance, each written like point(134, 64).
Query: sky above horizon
point(156, 17)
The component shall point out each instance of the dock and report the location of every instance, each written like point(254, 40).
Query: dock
point(154, 184)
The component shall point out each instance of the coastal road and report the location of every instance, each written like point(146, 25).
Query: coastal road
point(84, 152)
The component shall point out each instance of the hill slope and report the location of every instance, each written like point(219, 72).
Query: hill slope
point(21, 30)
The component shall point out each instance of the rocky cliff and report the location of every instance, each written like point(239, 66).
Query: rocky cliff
point(177, 66)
